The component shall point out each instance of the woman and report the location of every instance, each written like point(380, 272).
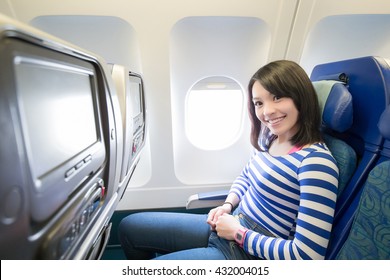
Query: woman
point(282, 204)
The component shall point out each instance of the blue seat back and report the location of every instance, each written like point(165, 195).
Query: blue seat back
point(337, 115)
point(369, 236)
point(367, 80)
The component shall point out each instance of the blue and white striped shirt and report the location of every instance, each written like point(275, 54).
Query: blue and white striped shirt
point(292, 196)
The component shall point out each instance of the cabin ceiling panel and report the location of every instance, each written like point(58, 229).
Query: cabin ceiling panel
point(142, 9)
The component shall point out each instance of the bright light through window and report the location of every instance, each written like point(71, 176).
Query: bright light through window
point(214, 112)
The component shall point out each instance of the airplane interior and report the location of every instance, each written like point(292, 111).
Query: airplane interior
point(109, 108)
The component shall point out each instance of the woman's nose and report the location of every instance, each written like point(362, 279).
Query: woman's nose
point(268, 109)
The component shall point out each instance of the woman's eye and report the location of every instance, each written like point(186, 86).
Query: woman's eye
point(276, 98)
point(258, 103)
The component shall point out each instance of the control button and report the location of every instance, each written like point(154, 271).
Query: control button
point(91, 208)
point(79, 165)
point(70, 172)
point(84, 218)
point(88, 159)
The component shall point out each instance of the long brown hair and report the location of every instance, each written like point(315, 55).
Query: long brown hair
point(285, 78)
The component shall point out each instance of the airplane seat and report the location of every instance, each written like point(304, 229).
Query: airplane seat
point(337, 115)
point(369, 237)
point(366, 79)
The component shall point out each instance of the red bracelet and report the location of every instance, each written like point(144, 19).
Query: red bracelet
point(239, 236)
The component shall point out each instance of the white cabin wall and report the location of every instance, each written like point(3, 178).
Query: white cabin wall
point(331, 30)
point(87, 31)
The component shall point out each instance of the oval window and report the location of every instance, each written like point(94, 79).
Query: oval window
point(214, 111)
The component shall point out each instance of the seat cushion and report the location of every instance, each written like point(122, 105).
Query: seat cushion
point(345, 157)
point(336, 104)
point(369, 237)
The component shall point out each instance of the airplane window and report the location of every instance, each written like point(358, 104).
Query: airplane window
point(214, 109)
point(211, 59)
point(368, 35)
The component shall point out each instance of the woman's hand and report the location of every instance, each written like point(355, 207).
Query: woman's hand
point(217, 212)
point(227, 226)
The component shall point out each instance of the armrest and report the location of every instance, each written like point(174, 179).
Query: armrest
point(207, 199)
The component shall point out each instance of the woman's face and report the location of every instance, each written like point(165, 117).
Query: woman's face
point(279, 114)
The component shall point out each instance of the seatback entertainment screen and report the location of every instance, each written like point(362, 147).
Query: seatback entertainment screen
point(56, 106)
point(54, 100)
point(61, 140)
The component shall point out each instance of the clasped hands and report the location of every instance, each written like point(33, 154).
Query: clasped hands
point(222, 222)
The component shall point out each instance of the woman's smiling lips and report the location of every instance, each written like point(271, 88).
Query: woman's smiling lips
point(275, 121)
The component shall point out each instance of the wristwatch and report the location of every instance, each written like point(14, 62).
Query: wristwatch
point(239, 237)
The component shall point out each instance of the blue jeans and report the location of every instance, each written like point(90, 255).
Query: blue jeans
point(176, 236)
